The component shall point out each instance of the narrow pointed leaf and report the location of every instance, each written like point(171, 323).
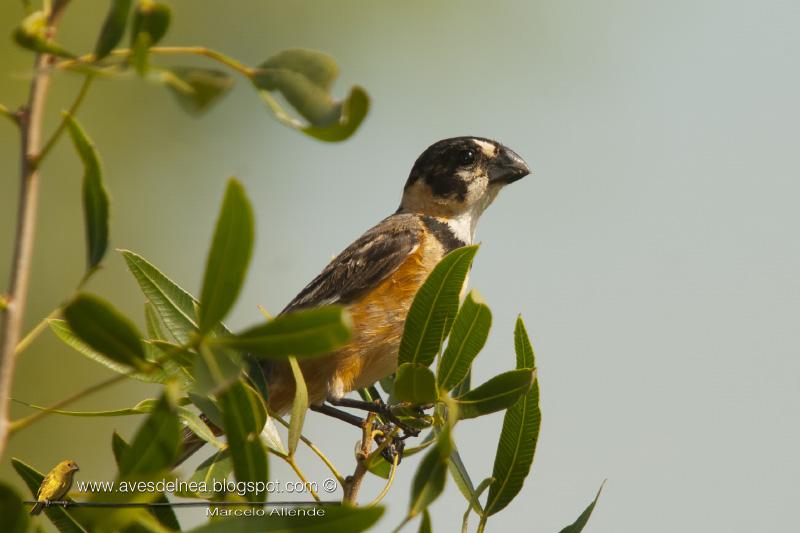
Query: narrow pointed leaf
point(474, 502)
point(32, 34)
point(518, 438)
point(434, 307)
point(141, 408)
point(425, 523)
point(431, 474)
point(228, 258)
point(500, 392)
point(104, 329)
point(303, 333)
point(344, 519)
point(467, 338)
point(271, 438)
point(244, 416)
point(119, 447)
point(415, 384)
point(196, 89)
point(155, 445)
point(65, 333)
point(150, 23)
point(217, 467)
point(299, 406)
point(580, 523)
point(95, 197)
point(60, 517)
point(458, 471)
point(113, 28)
point(193, 421)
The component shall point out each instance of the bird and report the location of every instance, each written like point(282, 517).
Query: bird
point(55, 485)
point(376, 278)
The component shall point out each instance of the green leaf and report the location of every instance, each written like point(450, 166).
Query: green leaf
point(174, 305)
point(467, 338)
point(474, 502)
point(244, 415)
point(143, 407)
point(60, 517)
point(150, 23)
point(193, 421)
point(104, 329)
point(425, 523)
point(304, 333)
point(415, 384)
point(217, 467)
point(65, 333)
point(458, 471)
point(196, 89)
point(518, 438)
point(431, 474)
point(344, 519)
point(500, 392)
point(434, 307)
point(580, 523)
point(164, 514)
point(32, 34)
point(113, 28)
point(304, 78)
point(207, 406)
point(228, 258)
point(95, 197)
point(155, 445)
point(299, 406)
point(15, 516)
point(271, 438)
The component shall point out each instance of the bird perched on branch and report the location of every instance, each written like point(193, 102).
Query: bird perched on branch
point(55, 485)
point(375, 278)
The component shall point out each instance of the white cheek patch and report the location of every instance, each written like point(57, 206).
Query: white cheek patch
point(488, 149)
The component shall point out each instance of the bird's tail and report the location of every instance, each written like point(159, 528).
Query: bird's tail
point(37, 508)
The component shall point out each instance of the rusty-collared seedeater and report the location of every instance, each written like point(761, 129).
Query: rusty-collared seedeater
point(55, 485)
point(375, 278)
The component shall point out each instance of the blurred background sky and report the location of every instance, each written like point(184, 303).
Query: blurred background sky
point(654, 254)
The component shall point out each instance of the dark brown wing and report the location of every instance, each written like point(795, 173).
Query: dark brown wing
point(363, 264)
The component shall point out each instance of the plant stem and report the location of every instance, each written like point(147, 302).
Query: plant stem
point(482, 524)
point(87, 82)
point(353, 483)
point(293, 464)
point(36, 331)
point(313, 447)
point(11, 321)
point(30, 419)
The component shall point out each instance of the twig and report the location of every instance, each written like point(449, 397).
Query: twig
point(293, 464)
point(352, 484)
point(313, 447)
point(11, 321)
point(76, 104)
point(36, 331)
point(389, 482)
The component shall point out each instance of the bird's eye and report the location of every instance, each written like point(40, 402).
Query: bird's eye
point(467, 157)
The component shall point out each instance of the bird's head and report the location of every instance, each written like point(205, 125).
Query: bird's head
point(458, 178)
point(67, 466)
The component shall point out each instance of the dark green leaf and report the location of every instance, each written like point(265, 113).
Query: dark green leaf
point(103, 328)
point(467, 338)
point(304, 78)
point(474, 502)
point(343, 519)
point(415, 384)
point(304, 333)
point(244, 415)
point(155, 445)
point(119, 447)
point(207, 407)
point(113, 28)
point(151, 18)
point(174, 305)
point(59, 516)
point(518, 438)
point(299, 406)
point(65, 333)
point(498, 393)
point(580, 523)
point(425, 523)
point(458, 471)
point(15, 516)
point(95, 197)
point(228, 257)
point(431, 474)
point(197, 89)
point(32, 34)
point(435, 306)
point(217, 467)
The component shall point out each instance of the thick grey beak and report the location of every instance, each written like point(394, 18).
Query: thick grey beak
point(507, 167)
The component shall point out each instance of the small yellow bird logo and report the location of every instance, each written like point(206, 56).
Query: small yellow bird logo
point(55, 484)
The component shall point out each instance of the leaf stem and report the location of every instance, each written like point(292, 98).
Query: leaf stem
point(388, 485)
point(293, 464)
point(36, 331)
point(76, 104)
point(313, 447)
point(31, 118)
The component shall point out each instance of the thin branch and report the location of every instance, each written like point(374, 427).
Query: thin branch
point(76, 104)
point(11, 321)
point(293, 464)
point(313, 447)
point(36, 331)
point(353, 483)
point(389, 482)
